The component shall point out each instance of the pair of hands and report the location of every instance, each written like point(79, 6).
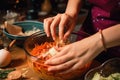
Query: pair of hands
point(75, 55)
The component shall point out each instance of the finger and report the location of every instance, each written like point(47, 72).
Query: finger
point(66, 35)
point(58, 48)
point(54, 25)
point(61, 51)
point(62, 67)
point(59, 60)
point(79, 64)
point(62, 25)
point(47, 23)
point(74, 68)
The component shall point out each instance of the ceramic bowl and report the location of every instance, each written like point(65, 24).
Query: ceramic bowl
point(26, 26)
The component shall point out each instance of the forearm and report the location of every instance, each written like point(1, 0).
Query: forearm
point(112, 36)
point(73, 7)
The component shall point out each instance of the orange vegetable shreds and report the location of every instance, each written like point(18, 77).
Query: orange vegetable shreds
point(40, 49)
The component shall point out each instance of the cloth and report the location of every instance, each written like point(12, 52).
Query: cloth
point(102, 14)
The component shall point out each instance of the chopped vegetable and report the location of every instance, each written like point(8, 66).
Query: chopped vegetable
point(43, 52)
point(4, 72)
point(42, 49)
point(114, 76)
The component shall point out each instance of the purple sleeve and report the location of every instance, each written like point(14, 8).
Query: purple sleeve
point(107, 5)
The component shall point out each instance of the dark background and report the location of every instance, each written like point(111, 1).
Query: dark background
point(23, 4)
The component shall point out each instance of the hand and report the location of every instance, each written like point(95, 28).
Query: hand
point(64, 22)
point(75, 55)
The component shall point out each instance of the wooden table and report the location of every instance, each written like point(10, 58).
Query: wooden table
point(19, 61)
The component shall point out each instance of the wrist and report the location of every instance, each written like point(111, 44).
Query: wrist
point(98, 42)
point(73, 8)
point(72, 15)
point(102, 40)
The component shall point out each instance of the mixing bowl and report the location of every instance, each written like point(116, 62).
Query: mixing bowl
point(38, 64)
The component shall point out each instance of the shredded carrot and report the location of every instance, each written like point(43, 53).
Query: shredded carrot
point(42, 48)
point(39, 50)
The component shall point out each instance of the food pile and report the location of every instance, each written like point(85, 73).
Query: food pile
point(30, 32)
point(44, 52)
point(114, 76)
